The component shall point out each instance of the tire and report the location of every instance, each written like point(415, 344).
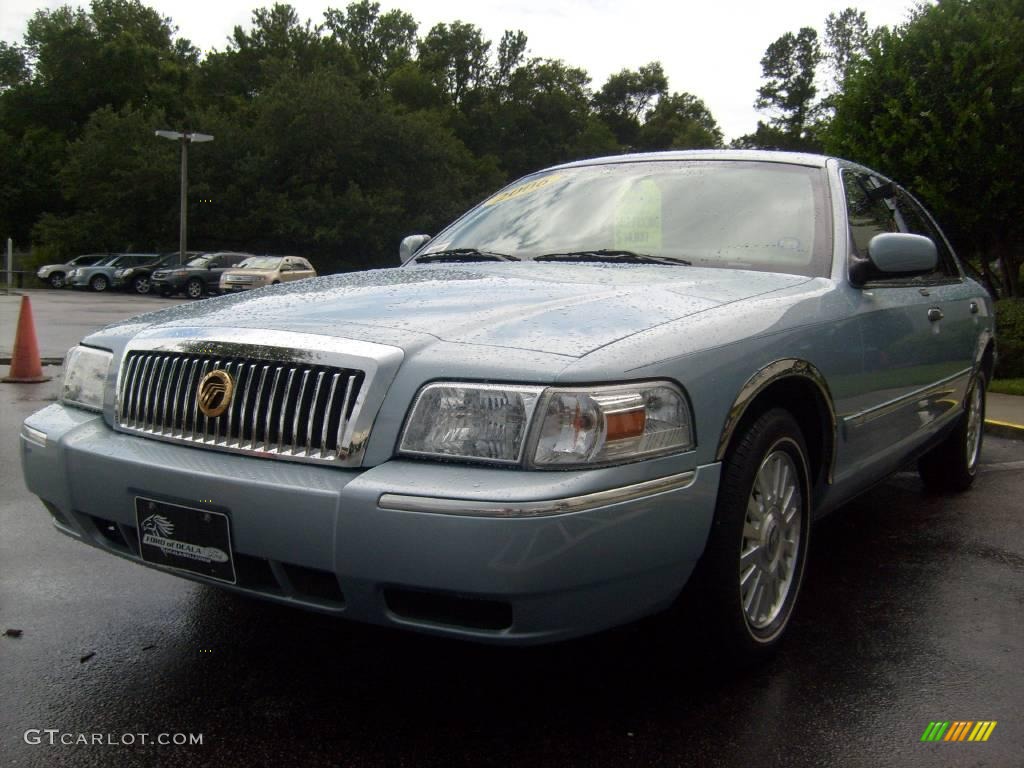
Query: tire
point(276, 282)
point(141, 285)
point(758, 541)
point(56, 280)
point(952, 465)
point(194, 288)
point(99, 283)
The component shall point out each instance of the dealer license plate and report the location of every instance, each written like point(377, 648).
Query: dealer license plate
point(185, 539)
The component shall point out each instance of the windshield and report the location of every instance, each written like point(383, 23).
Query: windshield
point(261, 262)
point(107, 261)
point(734, 214)
point(201, 261)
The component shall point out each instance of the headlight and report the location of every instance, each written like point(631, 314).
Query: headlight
point(73, 273)
point(122, 273)
point(85, 377)
point(470, 421)
point(604, 425)
point(551, 427)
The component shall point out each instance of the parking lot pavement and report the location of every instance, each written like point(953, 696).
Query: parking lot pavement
point(912, 612)
point(63, 317)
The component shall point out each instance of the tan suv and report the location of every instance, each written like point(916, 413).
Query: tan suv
point(257, 271)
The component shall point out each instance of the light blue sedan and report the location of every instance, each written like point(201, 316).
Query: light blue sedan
point(610, 381)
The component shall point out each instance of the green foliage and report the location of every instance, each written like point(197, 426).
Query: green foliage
point(1010, 338)
point(1007, 387)
point(939, 104)
point(332, 140)
point(625, 99)
point(789, 67)
point(679, 121)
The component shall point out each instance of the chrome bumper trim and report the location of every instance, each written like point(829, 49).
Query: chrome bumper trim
point(34, 436)
point(403, 503)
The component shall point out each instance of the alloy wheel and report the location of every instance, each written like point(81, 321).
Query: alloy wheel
point(770, 549)
point(975, 410)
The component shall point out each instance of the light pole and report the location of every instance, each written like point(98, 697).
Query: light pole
point(184, 138)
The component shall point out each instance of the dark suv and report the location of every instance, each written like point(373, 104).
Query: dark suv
point(199, 276)
point(138, 279)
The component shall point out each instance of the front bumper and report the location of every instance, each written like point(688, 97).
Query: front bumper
point(470, 552)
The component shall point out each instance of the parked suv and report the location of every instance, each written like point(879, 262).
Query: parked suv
point(138, 279)
point(56, 274)
point(258, 271)
point(199, 276)
point(100, 276)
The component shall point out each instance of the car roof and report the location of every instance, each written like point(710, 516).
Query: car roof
point(760, 155)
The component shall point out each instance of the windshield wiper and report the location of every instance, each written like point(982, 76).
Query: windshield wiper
point(607, 255)
point(464, 254)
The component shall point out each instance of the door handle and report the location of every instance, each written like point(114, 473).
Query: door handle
point(974, 307)
point(935, 314)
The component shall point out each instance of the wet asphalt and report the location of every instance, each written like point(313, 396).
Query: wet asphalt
point(912, 611)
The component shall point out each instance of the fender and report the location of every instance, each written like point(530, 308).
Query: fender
point(768, 375)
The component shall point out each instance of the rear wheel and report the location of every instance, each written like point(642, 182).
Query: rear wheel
point(194, 288)
point(749, 577)
point(141, 285)
point(99, 283)
point(56, 280)
point(952, 465)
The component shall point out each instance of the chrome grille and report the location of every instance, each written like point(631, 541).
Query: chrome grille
point(284, 409)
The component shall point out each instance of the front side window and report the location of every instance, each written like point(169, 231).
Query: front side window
point(915, 221)
point(732, 214)
point(875, 206)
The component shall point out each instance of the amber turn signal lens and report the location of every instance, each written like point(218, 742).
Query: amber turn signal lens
point(625, 424)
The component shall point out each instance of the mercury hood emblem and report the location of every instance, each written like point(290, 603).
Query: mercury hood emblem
point(214, 393)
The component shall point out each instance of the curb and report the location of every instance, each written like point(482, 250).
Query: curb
point(1004, 429)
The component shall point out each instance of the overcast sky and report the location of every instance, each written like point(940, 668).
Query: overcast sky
point(710, 48)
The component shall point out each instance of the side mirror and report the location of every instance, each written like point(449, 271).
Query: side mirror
point(900, 253)
point(897, 253)
point(410, 245)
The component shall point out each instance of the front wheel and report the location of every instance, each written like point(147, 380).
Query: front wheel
point(952, 465)
point(194, 288)
point(141, 285)
point(99, 283)
point(56, 280)
point(749, 577)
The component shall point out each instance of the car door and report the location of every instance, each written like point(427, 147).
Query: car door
point(912, 369)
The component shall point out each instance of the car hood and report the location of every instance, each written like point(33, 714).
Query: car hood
point(562, 309)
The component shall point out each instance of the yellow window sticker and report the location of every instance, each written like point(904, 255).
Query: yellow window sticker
point(523, 189)
point(638, 219)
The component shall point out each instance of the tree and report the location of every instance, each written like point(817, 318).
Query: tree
point(627, 96)
point(13, 66)
point(456, 56)
point(789, 66)
point(679, 121)
point(846, 40)
point(939, 105)
point(381, 43)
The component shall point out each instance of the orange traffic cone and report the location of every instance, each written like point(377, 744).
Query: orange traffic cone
point(26, 366)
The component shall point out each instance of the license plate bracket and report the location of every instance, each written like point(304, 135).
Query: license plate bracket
point(185, 539)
